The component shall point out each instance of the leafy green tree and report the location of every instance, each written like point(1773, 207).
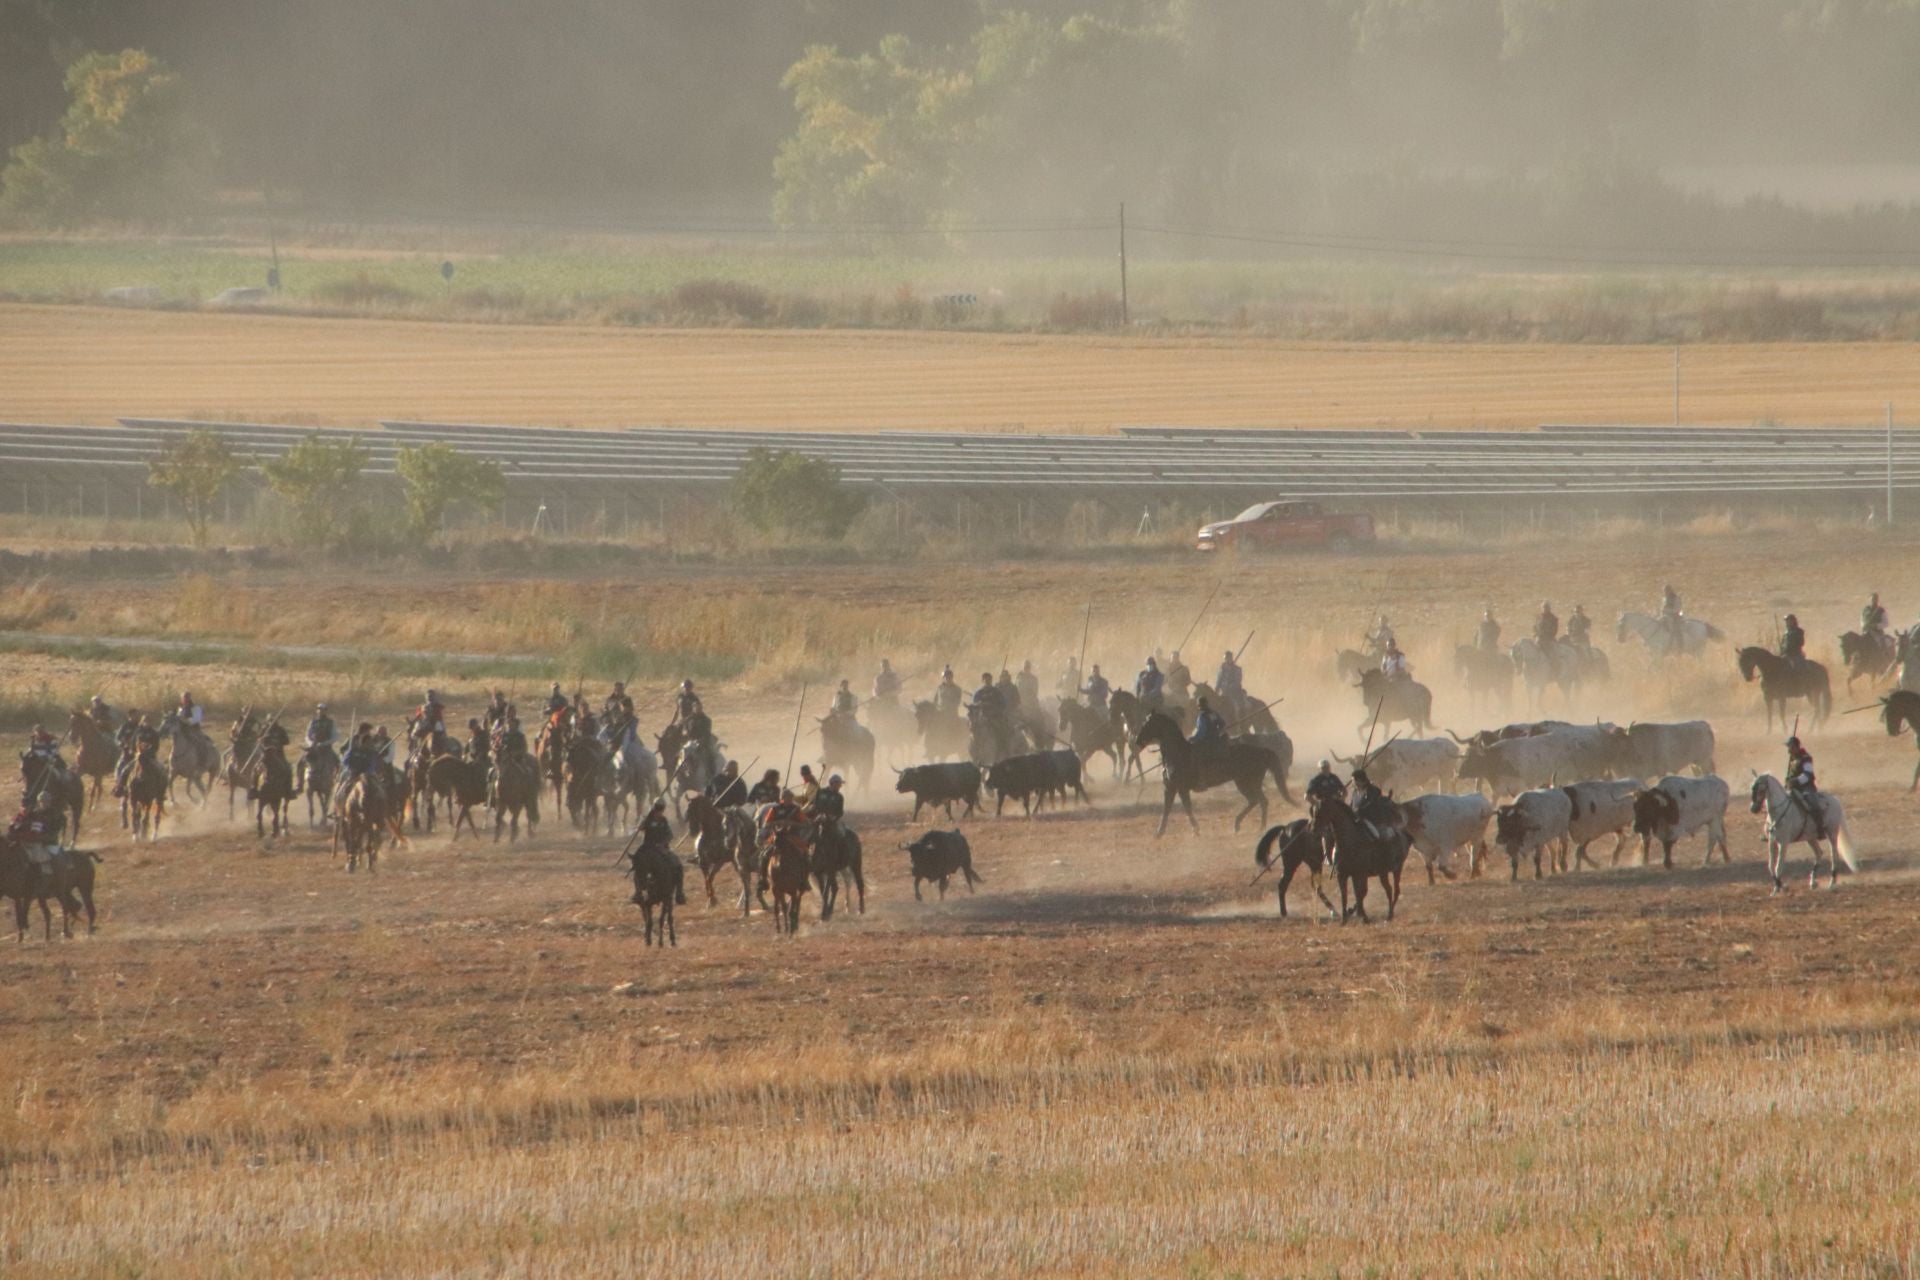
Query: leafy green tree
point(195, 468)
point(439, 476)
point(792, 493)
point(317, 478)
point(124, 149)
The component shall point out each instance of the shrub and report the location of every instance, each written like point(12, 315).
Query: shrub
point(792, 493)
point(1078, 311)
point(720, 300)
point(363, 290)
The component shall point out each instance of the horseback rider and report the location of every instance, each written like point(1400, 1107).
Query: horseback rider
point(513, 741)
point(619, 725)
point(948, 697)
point(1150, 685)
point(778, 819)
point(1546, 627)
point(362, 760)
point(1802, 787)
point(496, 713)
point(193, 718)
point(584, 725)
point(766, 791)
point(728, 789)
point(479, 743)
point(1009, 693)
point(1488, 638)
point(1230, 681)
point(1793, 642)
point(1394, 665)
point(686, 704)
point(1179, 678)
point(430, 723)
point(886, 683)
point(1580, 628)
point(274, 737)
point(844, 701)
point(1370, 804)
point(37, 828)
point(1028, 683)
point(1068, 686)
point(1325, 785)
point(1380, 638)
point(556, 700)
point(320, 733)
point(127, 738)
point(44, 747)
point(1873, 624)
point(829, 805)
point(102, 715)
point(1671, 616)
point(1098, 689)
point(656, 845)
point(1209, 725)
point(809, 786)
point(614, 702)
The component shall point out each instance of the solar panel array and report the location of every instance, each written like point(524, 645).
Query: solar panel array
point(1221, 468)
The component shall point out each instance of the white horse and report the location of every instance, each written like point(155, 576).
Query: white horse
point(1789, 824)
point(1659, 637)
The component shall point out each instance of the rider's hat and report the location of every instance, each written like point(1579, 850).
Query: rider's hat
point(835, 780)
point(1793, 742)
point(1326, 764)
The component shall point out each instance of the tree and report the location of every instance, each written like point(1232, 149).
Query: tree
point(194, 468)
point(123, 150)
point(439, 476)
point(317, 477)
point(793, 493)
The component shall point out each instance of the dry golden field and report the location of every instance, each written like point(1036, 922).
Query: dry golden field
point(1114, 1059)
point(92, 365)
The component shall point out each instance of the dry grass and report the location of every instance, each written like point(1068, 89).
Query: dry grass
point(81, 365)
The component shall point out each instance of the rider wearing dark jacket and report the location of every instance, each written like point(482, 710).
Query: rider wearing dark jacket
point(1793, 641)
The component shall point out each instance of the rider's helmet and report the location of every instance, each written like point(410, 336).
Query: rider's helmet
point(686, 686)
point(1326, 766)
point(835, 780)
point(1792, 621)
point(320, 707)
point(1151, 664)
point(433, 695)
point(1360, 778)
point(97, 699)
point(186, 699)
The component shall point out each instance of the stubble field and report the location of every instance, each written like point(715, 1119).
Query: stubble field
point(1113, 1059)
point(92, 365)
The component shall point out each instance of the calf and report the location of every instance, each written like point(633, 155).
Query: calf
point(939, 856)
point(1674, 808)
point(941, 784)
point(1035, 777)
point(1439, 825)
point(1533, 821)
point(1599, 809)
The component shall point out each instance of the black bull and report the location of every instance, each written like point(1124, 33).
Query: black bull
point(941, 784)
point(1035, 777)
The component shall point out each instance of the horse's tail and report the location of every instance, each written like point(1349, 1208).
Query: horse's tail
point(1263, 852)
point(1844, 843)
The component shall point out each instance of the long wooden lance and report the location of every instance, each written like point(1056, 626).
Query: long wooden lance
point(1198, 616)
point(1086, 630)
point(1243, 645)
point(1365, 752)
point(786, 778)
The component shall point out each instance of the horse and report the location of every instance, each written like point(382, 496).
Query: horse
point(1541, 667)
point(97, 754)
point(236, 765)
point(271, 788)
point(515, 791)
point(1901, 711)
point(550, 749)
point(1664, 640)
point(1298, 847)
point(1243, 711)
point(191, 757)
point(990, 741)
point(1129, 714)
point(1091, 734)
point(1350, 664)
point(145, 801)
point(1188, 767)
point(1391, 701)
point(672, 740)
point(1909, 647)
point(836, 854)
point(893, 725)
point(69, 789)
point(420, 789)
point(789, 869)
point(316, 774)
point(844, 741)
point(585, 761)
point(67, 879)
point(462, 783)
point(360, 820)
point(659, 880)
point(1868, 656)
point(1485, 672)
point(1784, 679)
point(697, 768)
point(1360, 854)
point(1789, 823)
point(715, 834)
point(635, 781)
point(945, 735)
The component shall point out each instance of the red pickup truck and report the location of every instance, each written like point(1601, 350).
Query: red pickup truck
point(1287, 524)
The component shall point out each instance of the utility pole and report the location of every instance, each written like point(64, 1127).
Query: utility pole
point(1126, 314)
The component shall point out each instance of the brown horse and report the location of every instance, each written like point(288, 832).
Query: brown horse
point(97, 755)
point(68, 788)
point(585, 781)
point(68, 879)
point(236, 766)
point(1784, 679)
point(837, 855)
point(789, 868)
point(659, 880)
point(1359, 855)
point(516, 791)
point(271, 788)
point(361, 820)
point(1299, 847)
point(146, 800)
point(550, 748)
point(1187, 768)
point(718, 835)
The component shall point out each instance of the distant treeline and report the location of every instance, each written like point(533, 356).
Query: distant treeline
point(1548, 121)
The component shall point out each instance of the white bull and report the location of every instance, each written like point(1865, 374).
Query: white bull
point(1442, 825)
point(1675, 808)
point(1600, 809)
point(1510, 766)
point(1405, 762)
point(1656, 750)
point(1534, 821)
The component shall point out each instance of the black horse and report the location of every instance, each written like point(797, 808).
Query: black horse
point(1392, 701)
point(836, 856)
point(1361, 852)
point(1866, 656)
point(1298, 847)
point(1903, 713)
point(67, 879)
point(1189, 767)
point(1784, 679)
